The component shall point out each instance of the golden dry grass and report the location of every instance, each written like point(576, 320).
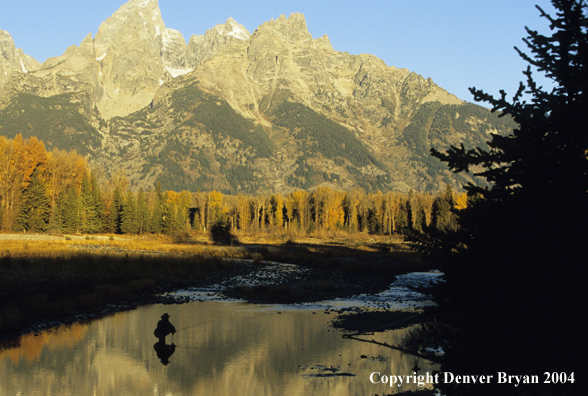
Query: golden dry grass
point(46, 277)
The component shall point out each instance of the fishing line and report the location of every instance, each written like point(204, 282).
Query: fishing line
point(197, 324)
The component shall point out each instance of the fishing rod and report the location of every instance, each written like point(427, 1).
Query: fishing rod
point(197, 324)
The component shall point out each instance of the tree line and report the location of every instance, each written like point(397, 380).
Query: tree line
point(56, 191)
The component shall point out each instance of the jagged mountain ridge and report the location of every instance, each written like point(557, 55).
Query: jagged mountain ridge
point(13, 59)
point(267, 111)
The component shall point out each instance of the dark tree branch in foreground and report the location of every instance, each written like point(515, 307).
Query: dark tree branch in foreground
point(514, 270)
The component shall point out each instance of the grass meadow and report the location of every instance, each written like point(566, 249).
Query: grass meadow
point(45, 278)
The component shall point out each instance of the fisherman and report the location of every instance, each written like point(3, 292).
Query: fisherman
point(164, 327)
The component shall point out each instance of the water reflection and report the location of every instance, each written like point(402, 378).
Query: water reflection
point(221, 348)
point(164, 351)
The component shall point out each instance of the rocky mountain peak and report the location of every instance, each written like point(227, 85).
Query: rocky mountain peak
point(135, 14)
point(137, 54)
point(324, 42)
point(13, 59)
point(293, 28)
point(269, 111)
point(203, 47)
point(233, 29)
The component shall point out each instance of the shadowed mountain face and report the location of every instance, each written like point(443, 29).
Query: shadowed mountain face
point(268, 111)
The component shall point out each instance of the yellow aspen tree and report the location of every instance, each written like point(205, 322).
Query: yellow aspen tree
point(10, 173)
point(300, 198)
point(172, 197)
point(363, 208)
point(217, 211)
point(392, 207)
point(243, 212)
point(461, 201)
point(321, 202)
point(278, 209)
point(268, 214)
point(233, 205)
point(257, 204)
point(199, 202)
point(350, 203)
point(64, 170)
point(34, 157)
point(377, 200)
point(184, 207)
point(289, 210)
point(336, 212)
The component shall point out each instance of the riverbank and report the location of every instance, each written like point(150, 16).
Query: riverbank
point(47, 280)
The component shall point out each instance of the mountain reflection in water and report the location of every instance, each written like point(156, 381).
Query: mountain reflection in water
point(238, 349)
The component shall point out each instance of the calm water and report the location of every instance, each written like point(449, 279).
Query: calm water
point(232, 348)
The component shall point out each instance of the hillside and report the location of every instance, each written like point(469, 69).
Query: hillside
point(268, 111)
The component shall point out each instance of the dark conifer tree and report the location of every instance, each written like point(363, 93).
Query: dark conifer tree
point(90, 214)
point(514, 272)
point(442, 217)
point(98, 202)
point(71, 211)
point(116, 211)
point(156, 222)
point(142, 213)
point(36, 207)
point(129, 218)
point(170, 218)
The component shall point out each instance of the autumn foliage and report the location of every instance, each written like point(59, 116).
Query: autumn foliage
point(56, 191)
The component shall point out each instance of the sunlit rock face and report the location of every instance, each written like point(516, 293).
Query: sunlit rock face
point(122, 68)
point(218, 112)
point(203, 47)
point(13, 59)
point(134, 49)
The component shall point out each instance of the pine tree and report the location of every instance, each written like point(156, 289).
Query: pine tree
point(443, 218)
point(183, 213)
point(90, 214)
point(98, 203)
point(156, 219)
point(514, 271)
point(70, 209)
point(129, 218)
point(114, 221)
point(170, 219)
point(142, 213)
point(35, 210)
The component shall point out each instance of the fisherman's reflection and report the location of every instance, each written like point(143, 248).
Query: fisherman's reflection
point(164, 351)
point(164, 327)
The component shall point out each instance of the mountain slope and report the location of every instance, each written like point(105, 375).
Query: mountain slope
point(268, 111)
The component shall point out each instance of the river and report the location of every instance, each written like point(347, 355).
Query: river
point(221, 348)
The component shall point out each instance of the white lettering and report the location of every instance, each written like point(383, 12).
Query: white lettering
point(396, 379)
point(501, 377)
point(420, 380)
point(465, 379)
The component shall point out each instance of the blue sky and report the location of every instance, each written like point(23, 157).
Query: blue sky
point(458, 43)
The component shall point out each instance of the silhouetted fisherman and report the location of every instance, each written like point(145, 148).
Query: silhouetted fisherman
point(164, 327)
